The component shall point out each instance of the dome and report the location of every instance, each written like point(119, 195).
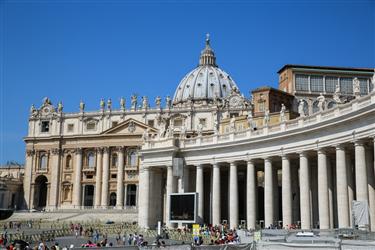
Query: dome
point(206, 82)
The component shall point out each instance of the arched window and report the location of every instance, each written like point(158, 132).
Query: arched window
point(112, 199)
point(114, 160)
point(91, 160)
point(133, 159)
point(315, 107)
point(68, 163)
point(43, 162)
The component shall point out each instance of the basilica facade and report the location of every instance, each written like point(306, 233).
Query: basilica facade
point(299, 154)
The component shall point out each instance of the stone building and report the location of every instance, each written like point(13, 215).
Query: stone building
point(261, 160)
point(11, 186)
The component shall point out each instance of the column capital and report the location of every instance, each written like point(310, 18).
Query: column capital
point(215, 164)
point(105, 150)
point(302, 153)
point(30, 152)
point(267, 159)
point(199, 166)
point(99, 150)
point(233, 163)
point(285, 156)
point(321, 150)
point(358, 142)
point(78, 151)
point(56, 151)
point(250, 161)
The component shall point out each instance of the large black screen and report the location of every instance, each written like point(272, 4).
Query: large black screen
point(182, 207)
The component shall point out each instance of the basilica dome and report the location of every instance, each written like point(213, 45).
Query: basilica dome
point(206, 82)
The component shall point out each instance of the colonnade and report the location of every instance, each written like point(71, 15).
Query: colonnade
point(328, 182)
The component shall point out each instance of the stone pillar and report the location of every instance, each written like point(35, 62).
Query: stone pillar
point(371, 186)
point(251, 195)
point(105, 177)
point(342, 188)
point(216, 205)
point(77, 179)
point(144, 197)
point(286, 192)
point(200, 190)
point(361, 172)
point(323, 199)
point(120, 179)
point(27, 180)
point(233, 197)
point(330, 192)
point(169, 190)
point(304, 182)
point(268, 193)
point(98, 178)
point(55, 177)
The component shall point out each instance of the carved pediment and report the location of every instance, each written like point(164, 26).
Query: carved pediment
point(130, 126)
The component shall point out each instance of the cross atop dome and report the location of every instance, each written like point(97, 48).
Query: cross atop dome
point(207, 55)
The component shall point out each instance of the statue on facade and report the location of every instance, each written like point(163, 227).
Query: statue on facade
point(199, 129)
point(282, 113)
point(134, 102)
point(321, 102)
point(60, 107)
point(158, 102)
point(168, 102)
point(232, 124)
point(122, 103)
point(46, 101)
point(145, 135)
point(266, 118)
point(356, 87)
point(144, 102)
point(102, 104)
point(109, 104)
point(301, 108)
point(183, 132)
point(336, 95)
point(33, 110)
point(373, 82)
point(81, 106)
point(216, 125)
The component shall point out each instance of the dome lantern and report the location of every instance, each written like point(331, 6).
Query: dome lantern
point(207, 55)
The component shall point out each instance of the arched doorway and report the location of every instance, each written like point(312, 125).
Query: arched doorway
point(112, 199)
point(40, 192)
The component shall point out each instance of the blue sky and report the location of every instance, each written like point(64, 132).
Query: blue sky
point(72, 50)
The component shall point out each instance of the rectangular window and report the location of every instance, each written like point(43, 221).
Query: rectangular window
point(70, 127)
point(316, 83)
point(150, 123)
point(202, 121)
point(261, 106)
point(331, 82)
point(91, 126)
point(177, 122)
point(45, 126)
point(113, 176)
point(363, 86)
point(89, 176)
point(346, 85)
point(302, 82)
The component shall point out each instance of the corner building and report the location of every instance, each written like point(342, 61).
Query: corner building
point(281, 157)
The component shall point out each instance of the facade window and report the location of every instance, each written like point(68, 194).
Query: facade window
point(302, 82)
point(113, 176)
point(131, 195)
point(45, 126)
point(363, 86)
point(68, 163)
point(177, 122)
point(261, 106)
point(346, 85)
point(91, 125)
point(316, 83)
point(112, 199)
point(331, 82)
point(202, 121)
point(114, 160)
point(150, 123)
point(133, 159)
point(70, 127)
point(43, 162)
point(91, 160)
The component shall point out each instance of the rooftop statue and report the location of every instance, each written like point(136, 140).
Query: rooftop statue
point(158, 102)
point(122, 103)
point(60, 107)
point(301, 108)
point(321, 102)
point(282, 113)
point(102, 104)
point(134, 101)
point(168, 102)
point(356, 87)
point(266, 117)
point(81, 106)
point(336, 95)
point(144, 102)
point(109, 104)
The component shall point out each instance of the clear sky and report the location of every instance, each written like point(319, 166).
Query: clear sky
point(72, 50)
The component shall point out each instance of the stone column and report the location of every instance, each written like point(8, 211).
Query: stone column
point(98, 178)
point(27, 180)
point(361, 172)
point(120, 179)
point(371, 186)
point(216, 209)
point(200, 190)
point(304, 182)
point(342, 188)
point(233, 197)
point(286, 186)
point(169, 190)
point(144, 197)
point(323, 199)
point(251, 195)
point(350, 176)
point(330, 192)
point(77, 179)
point(55, 177)
point(268, 193)
point(105, 177)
